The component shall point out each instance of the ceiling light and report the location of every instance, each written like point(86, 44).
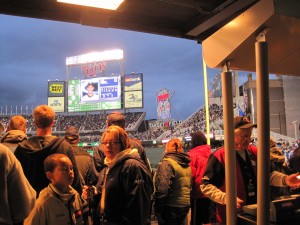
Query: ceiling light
point(104, 4)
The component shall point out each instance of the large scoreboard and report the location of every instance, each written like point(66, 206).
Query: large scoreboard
point(97, 93)
point(105, 95)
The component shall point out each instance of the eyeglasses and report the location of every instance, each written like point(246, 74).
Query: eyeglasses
point(111, 143)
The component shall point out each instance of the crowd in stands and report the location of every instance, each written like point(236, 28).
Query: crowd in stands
point(197, 121)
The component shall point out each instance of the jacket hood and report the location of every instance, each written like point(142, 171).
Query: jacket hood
point(276, 155)
point(15, 136)
point(38, 146)
point(183, 159)
point(122, 156)
point(203, 150)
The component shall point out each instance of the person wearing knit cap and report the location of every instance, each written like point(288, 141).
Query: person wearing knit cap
point(84, 160)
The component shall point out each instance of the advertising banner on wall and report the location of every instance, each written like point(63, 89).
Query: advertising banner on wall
point(133, 99)
point(57, 103)
point(56, 88)
point(133, 90)
point(133, 82)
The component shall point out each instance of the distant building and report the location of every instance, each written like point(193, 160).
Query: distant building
point(284, 103)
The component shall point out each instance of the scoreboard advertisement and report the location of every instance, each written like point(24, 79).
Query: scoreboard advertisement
point(133, 90)
point(101, 93)
point(56, 95)
point(57, 103)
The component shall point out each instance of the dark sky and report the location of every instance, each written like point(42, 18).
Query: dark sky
point(33, 51)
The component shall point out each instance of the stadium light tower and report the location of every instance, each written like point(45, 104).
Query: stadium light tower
point(103, 4)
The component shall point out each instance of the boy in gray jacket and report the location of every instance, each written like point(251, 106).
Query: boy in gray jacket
point(58, 203)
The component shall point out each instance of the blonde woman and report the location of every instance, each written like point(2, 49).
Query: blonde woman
point(125, 183)
point(172, 183)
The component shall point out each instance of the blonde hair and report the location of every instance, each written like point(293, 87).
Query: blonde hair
point(17, 123)
point(43, 116)
point(121, 135)
point(174, 145)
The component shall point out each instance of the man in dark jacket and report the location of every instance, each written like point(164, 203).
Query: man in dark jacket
point(32, 152)
point(84, 160)
point(16, 132)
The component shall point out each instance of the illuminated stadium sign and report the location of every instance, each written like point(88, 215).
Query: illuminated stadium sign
point(133, 82)
point(163, 98)
point(56, 88)
point(92, 70)
point(133, 90)
point(95, 57)
point(102, 93)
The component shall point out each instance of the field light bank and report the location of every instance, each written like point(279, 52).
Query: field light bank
point(103, 4)
point(116, 54)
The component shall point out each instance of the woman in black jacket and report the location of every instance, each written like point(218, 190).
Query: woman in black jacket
point(125, 184)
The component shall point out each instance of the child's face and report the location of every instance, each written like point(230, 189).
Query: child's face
point(63, 174)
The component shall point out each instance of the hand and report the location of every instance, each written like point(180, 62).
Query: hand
point(239, 203)
point(292, 180)
point(86, 190)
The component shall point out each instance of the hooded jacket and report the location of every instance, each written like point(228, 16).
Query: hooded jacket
point(172, 181)
point(32, 152)
point(213, 182)
point(55, 208)
point(199, 156)
point(128, 189)
point(12, 138)
point(17, 197)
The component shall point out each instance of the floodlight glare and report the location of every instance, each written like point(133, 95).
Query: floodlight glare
point(116, 54)
point(103, 4)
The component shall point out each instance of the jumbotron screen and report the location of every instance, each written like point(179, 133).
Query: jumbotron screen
point(101, 93)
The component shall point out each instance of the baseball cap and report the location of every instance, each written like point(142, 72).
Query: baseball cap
point(116, 118)
point(242, 122)
point(71, 133)
point(90, 84)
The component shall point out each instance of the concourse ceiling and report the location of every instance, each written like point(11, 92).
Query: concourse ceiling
point(188, 19)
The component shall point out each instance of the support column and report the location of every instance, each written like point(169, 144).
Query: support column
point(230, 158)
point(263, 131)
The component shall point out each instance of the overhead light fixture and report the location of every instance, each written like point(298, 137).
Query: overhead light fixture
point(103, 4)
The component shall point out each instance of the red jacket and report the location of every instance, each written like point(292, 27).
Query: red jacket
point(215, 175)
point(199, 156)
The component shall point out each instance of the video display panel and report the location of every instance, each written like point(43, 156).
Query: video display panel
point(101, 93)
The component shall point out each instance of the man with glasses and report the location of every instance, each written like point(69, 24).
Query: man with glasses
point(213, 181)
